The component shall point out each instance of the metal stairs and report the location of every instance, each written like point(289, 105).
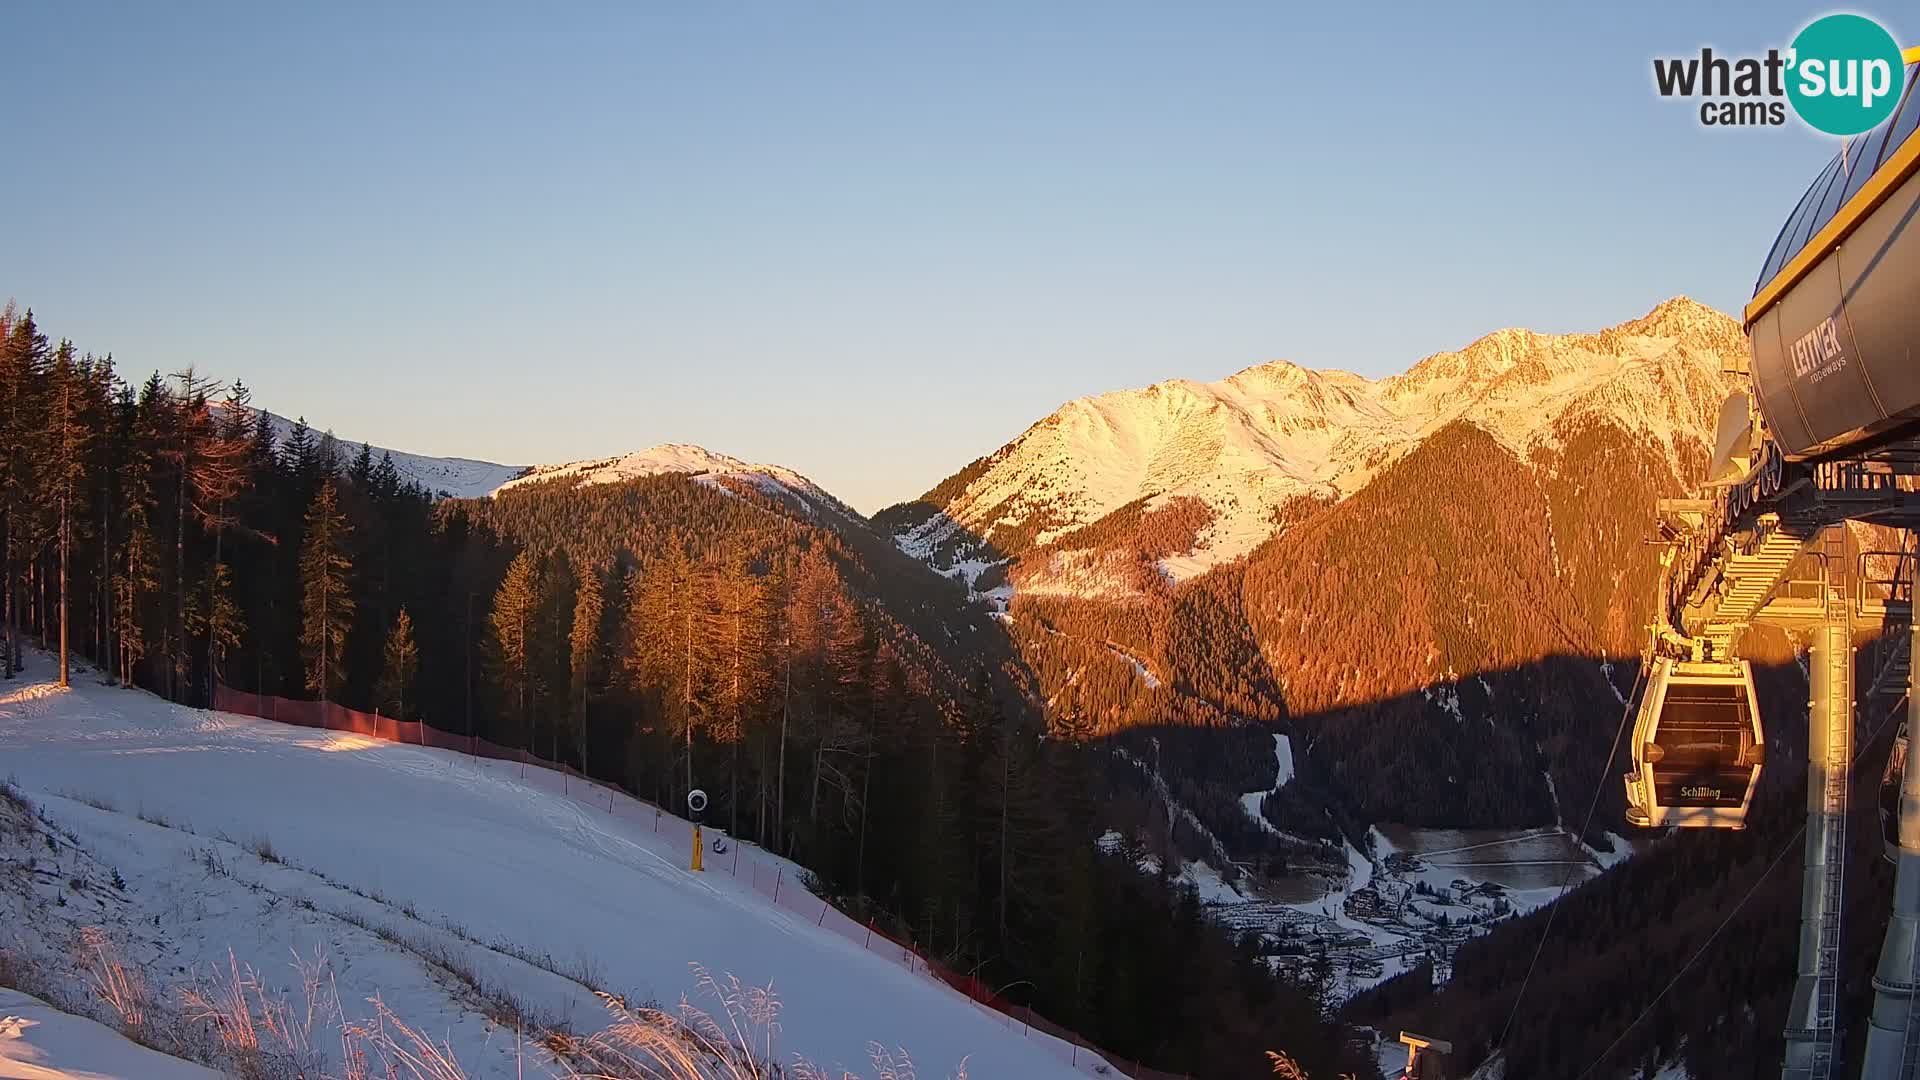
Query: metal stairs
point(1748, 580)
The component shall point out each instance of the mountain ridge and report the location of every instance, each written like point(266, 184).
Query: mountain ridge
point(447, 477)
point(1247, 445)
point(688, 459)
point(469, 478)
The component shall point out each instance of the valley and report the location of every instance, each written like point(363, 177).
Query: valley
point(1314, 667)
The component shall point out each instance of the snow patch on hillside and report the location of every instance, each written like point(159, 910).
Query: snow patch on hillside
point(1283, 763)
point(1207, 883)
point(1140, 668)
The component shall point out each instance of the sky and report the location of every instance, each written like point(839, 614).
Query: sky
point(868, 241)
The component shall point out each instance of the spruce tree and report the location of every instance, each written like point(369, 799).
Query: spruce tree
point(209, 463)
point(68, 439)
point(674, 632)
point(552, 647)
point(23, 361)
point(510, 645)
point(215, 615)
point(326, 457)
point(392, 693)
point(362, 471)
point(137, 582)
point(745, 681)
point(139, 427)
point(586, 653)
point(326, 593)
point(296, 455)
point(386, 478)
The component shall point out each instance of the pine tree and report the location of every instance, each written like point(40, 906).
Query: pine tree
point(386, 478)
point(510, 645)
point(220, 470)
point(394, 689)
point(23, 359)
point(140, 424)
point(811, 591)
point(138, 582)
point(216, 616)
point(296, 456)
point(362, 471)
point(673, 633)
point(552, 647)
point(1027, 841)
point(264, 443)
point(69, 437)
point(103, 387)
point(842, 719)
point(326, 593)
point(744, 680)
point(883, 686)
point(210, 468)
point(326, 457)
point(587, 655)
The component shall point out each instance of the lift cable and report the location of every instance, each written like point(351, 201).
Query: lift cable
point(1757, 882)
point(1553, 909)
point(1675, 981)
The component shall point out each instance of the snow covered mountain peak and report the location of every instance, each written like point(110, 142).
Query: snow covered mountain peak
point(468, 478)
point(1251, 443)
point(704, 465)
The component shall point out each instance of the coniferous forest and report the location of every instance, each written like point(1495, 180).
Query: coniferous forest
point(657, 634)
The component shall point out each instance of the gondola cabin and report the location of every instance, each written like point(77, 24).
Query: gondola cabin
point(1697, 746)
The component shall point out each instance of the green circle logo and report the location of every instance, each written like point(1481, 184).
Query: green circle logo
point(1845, 74)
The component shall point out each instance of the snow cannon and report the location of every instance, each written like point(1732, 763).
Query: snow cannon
point(696, 807)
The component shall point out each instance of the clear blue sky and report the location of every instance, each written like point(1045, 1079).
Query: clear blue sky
point(870, 241)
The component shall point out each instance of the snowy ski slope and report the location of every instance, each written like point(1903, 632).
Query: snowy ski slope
point(424, 841)
point(39, 1042)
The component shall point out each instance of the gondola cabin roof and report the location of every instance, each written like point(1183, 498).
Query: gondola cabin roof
point(1859, 178)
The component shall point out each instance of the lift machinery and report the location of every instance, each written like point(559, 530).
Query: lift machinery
point(1828, 435)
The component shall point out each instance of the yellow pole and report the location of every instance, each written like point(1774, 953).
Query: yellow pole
point(696, 849)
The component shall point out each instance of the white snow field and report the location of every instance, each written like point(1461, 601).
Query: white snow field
point(39, 1042)
point(388, 856)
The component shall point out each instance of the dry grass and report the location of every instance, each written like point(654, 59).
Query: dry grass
point(21, 974)
point(119, 987)
point(230, 1019)
point(11, 797)
point(1288, 1069)
point(263, 1033)
point(691, 1043)
point(458, 975)
point(98, 802)
point(16, 812)
point(398, 1049)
